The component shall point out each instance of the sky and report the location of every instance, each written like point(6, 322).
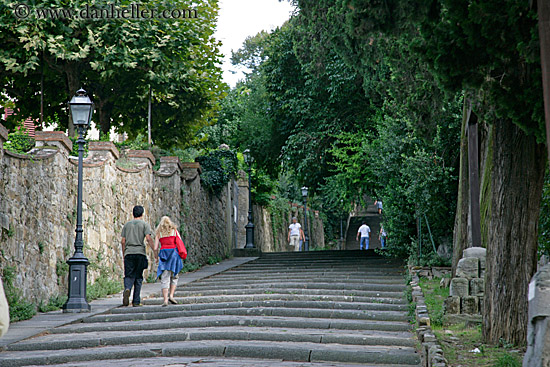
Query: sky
point(239, 19)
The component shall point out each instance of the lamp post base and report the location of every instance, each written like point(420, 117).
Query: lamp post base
point(249, 235)
point(77, 286)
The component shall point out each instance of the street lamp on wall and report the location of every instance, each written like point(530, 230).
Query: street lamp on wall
point(81, 108)
point(250, 225)
point(306, 242)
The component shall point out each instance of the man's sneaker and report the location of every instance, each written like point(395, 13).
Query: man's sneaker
point(126, 297)
point(136, 304)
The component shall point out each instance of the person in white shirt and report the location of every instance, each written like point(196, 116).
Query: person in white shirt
point(295, 234)
point(364, 231)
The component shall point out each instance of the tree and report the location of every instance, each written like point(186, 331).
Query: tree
point(489, 50)
point(117, 60)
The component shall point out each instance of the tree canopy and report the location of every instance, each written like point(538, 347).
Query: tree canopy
point(117, 61)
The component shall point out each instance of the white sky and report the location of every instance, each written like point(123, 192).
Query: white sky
point(239, 19)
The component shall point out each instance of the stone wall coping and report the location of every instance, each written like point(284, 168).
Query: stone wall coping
point(30, 156)
point(142, 154)
point(131, 170)
point(86, 162)
point(3, 132)
point(171, 159)
point(108, 146)
point(59, 136)
point(192, 165)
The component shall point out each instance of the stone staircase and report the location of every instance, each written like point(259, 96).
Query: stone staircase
point(340, 308)
point(373, 219)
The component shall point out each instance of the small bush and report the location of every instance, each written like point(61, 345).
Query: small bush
point(54, 303)
point(214, 260)
point(20, 309)
point(102, 287)
point(217, 168)
point(189, 267)
point(19, 140)
point(508, 360)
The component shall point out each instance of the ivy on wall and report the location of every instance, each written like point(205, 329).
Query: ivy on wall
point(217, 168)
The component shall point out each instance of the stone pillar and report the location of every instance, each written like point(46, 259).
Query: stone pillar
point(467, 288)
point(103, 150)
point(538, 329)
point(54, 138)
point(242, 210)
point(3, 136)
point(142, 157)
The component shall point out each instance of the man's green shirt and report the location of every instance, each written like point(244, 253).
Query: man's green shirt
point(135, 231)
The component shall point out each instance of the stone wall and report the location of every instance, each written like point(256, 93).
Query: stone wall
point(467, 289)
point(38, 209)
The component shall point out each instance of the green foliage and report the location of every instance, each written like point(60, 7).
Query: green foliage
point(213, 260)
point(508, 360)
point(544, 225)
point(20, 309)
point(218, 166)
point(74, 152)
point(19, 140)
point(54, 303)
point(118, 60)
point(189, 267)
point(61, 268)
point(434, 296)
point(103, 286)
point(263, 187)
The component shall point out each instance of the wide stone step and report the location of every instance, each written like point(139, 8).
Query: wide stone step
point(304, 285)
point(327, 325)
point(311, 292)
point(108, 338)
point(280, 297)
point(206, 361)
point(303, 352)
point(268, 303)
point(272, 278)
point(258, 311)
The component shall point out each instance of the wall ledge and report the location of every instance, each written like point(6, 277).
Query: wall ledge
point(3, 133)
point(58, 138)
point(32, 156)
point(104, 146)
point(143, 154)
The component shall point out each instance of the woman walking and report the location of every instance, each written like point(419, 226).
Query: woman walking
point(169, 260)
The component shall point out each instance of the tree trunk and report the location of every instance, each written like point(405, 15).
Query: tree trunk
point(104, 112)
point(516, 168)
point(460, 233)
point(73, 84)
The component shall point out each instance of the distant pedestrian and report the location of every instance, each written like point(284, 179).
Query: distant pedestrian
point(295, 234)
point(135, 258)
point(363, 231)
point(378, 204)
point(169, 260)
point(382, 236)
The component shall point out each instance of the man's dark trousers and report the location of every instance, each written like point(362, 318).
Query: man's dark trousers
point(134, 264)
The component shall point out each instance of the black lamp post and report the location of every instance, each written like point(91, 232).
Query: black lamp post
point(81, 108)
point(250, 225)
point(306, 242)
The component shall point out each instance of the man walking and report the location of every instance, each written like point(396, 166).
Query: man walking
point(295, 234)
point(135, 257)
point(364, 231)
